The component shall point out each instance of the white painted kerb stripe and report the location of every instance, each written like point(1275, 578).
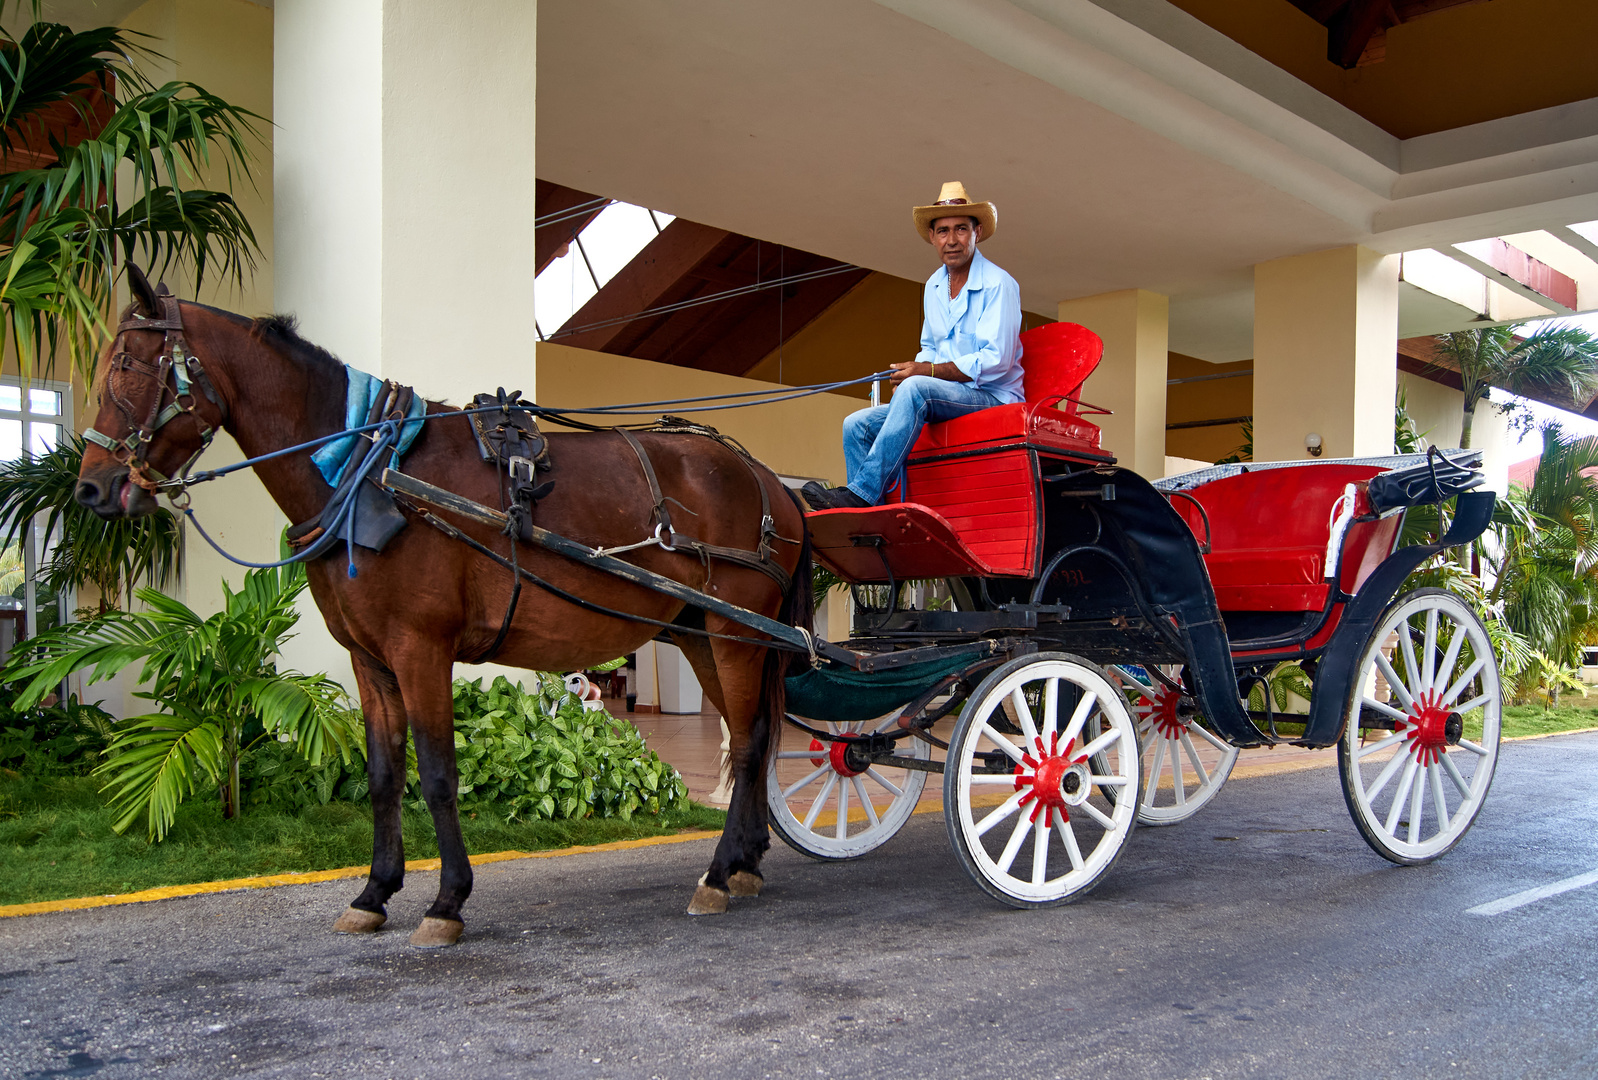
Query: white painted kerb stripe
point(1531, 896)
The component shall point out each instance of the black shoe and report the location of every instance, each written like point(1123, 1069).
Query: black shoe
point(826, 498)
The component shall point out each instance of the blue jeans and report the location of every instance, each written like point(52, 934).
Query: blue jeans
point(877, 441)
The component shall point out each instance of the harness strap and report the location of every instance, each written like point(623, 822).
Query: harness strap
point(662, 514)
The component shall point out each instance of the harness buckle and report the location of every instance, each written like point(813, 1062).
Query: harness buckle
point(519, 468)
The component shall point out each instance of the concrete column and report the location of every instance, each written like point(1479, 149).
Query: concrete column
point(1130, 381)
point(1325, 354)
point(404, 180)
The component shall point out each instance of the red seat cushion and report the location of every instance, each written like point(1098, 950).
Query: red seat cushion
point(1008, 424)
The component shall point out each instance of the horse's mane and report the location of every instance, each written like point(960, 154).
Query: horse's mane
point(286, 330)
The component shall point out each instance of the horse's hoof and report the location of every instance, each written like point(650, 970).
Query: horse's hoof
point(356, 921)
point(437, 933)
point(708, 900)
point(743, 883)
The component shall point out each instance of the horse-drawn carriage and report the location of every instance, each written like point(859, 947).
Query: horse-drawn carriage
point(1103, 635)
point(1128, 623)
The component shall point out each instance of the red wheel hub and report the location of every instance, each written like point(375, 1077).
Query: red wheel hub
point(1428, 734)
point(835, 754)
point(1162, 713)
point(1048, 769)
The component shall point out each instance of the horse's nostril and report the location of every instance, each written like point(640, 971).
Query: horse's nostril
point(88, 492)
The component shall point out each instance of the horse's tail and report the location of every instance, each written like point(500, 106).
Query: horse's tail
point(798, 609)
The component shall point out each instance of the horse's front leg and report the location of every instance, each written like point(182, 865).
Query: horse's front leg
point(385, 773)
point(424, 681)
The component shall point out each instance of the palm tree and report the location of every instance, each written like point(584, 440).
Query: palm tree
point(119, 181)
point(110, 555)
point(1561, 359)
point(218, 688)
point(1544, 562)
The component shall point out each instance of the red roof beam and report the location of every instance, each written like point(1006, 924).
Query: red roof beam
point(1534, 274)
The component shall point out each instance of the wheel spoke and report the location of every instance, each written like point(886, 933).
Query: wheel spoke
point(1154, 773)
point(1100, 743)
point(1429, 662)
point(1176, 775)
point(789, 755)
point(788, 792)
point(860, 793)
point(1069, 838)
point(895, 790)
point(886, 722)
point(1079, 717)
point(1464, 680)
point(1406, 641)
point(1417, 800)
point(1108, 781)
point(1394, 683)
point(1376, 747)
point(1192, 755)
point(1385, 775)
point(1007, 857)
point(1214, 740)
point(1040, 847)
point(841, 827)
point(1001, 743)
point(820, 801)
point(1439, 802)
point(1454, 774)
point(1479, 751)
point(1004, 810)
point(1097, 815)
point(1386, 709)
point(993, 779)
point(1391, 827)
point(1023, 714)
point(1051, 707)
point(1474, 703)
point(1451, 657)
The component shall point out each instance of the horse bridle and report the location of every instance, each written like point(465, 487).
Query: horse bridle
point(185, 370)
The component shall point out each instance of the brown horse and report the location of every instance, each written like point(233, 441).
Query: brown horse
point(428, 601)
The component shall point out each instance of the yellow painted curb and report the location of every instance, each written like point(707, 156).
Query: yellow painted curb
point(268, 881)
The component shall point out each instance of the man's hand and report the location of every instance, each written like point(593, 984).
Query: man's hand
point(901, 372)
point(950, 372)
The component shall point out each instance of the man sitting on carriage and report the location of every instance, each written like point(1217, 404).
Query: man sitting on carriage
point(970, 354)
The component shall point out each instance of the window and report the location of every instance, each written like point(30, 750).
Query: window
point(34, 419)
point(600, 251)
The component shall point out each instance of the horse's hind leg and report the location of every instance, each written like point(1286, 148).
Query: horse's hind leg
point(385, 771)
point(735, 868)
point(429, 705)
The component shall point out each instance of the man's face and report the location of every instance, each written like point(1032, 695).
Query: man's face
point(956, 240)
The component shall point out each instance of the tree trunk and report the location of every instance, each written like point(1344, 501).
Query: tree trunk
point(1464, 427)
point(1553, 695)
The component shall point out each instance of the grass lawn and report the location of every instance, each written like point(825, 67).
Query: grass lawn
point(1574, 713)
point(56, 840)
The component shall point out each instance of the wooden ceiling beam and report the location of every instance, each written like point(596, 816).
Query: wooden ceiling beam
point(551, 199)
point(1350, 30)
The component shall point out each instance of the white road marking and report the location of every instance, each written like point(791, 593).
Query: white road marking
point(1531, 896)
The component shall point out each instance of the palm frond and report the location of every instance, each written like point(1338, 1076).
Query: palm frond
point(155, 763)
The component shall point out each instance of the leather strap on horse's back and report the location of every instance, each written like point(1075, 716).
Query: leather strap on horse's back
point(760, 559)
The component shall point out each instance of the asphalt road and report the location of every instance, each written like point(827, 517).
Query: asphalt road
point(1261, 939)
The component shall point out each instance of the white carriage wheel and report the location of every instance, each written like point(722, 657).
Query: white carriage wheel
point(833, 811)
point(1053, 833)
point(1414, 790)
point(1176, 783)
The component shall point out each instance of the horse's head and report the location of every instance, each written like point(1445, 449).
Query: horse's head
point(158, 409)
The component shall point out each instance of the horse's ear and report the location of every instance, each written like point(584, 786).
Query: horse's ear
point(143, 294)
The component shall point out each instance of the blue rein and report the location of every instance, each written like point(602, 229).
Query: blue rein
point(386, 440)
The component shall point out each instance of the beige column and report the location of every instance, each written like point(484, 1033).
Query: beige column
point(1325, 354)
point(404, 181)
point(1130, 381)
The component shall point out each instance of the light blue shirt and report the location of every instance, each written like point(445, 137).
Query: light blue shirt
point(978, 331)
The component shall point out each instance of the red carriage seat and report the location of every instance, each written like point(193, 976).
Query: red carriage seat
point(1056, 360)
point(1268, 532)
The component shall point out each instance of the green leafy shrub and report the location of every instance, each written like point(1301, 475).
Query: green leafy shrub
point(54, 740)
point(539, 755)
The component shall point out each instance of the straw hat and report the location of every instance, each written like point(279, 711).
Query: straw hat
point(953, 202)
